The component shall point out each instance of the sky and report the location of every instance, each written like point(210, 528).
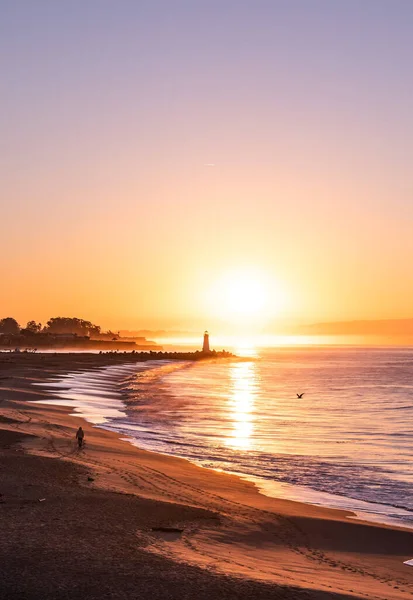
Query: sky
point(161, 161)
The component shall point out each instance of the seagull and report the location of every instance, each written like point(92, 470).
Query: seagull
point(300, 395)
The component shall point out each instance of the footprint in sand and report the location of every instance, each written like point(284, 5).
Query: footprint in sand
point(169, 534)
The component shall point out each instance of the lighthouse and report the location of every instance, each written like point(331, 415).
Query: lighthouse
point(205, 346)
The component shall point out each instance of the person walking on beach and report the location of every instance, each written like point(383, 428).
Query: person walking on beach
point(80, 434)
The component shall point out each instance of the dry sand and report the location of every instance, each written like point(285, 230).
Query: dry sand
point(83, 523)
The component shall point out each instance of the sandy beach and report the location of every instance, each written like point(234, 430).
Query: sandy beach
point(114, 521)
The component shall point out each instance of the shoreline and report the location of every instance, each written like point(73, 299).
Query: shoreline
point(245, 534)
point(361, 509)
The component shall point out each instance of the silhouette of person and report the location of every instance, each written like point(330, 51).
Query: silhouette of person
point(80, 435)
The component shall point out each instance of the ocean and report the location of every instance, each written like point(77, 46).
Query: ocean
point(346, 443)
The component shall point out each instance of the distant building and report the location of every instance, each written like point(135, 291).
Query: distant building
point(205, 347)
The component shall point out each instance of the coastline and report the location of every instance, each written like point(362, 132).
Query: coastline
point(228, 528)
point(103, 398)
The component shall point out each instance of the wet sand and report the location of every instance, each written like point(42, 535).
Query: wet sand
point(113, 521)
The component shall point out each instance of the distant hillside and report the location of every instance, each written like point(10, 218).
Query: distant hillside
point(154, 333)
point(68, 332)
point(385, 327)
point(59, 341)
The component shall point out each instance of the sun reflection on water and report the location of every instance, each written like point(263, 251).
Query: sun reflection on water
point(241, 402)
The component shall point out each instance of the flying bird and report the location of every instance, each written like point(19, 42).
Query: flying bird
point(300, 395)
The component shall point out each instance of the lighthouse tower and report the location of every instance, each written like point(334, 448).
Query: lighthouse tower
point(205, 347)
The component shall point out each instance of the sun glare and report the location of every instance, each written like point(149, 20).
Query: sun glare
point(245, 295)
point(241, 404)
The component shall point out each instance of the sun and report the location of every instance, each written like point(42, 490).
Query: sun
point(244, 295)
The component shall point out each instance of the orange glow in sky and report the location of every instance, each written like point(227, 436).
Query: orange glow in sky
point(200, 165)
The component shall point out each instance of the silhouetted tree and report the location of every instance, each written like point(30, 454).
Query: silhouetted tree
point(71, 325)
point(9, 326)
point(33, 326)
